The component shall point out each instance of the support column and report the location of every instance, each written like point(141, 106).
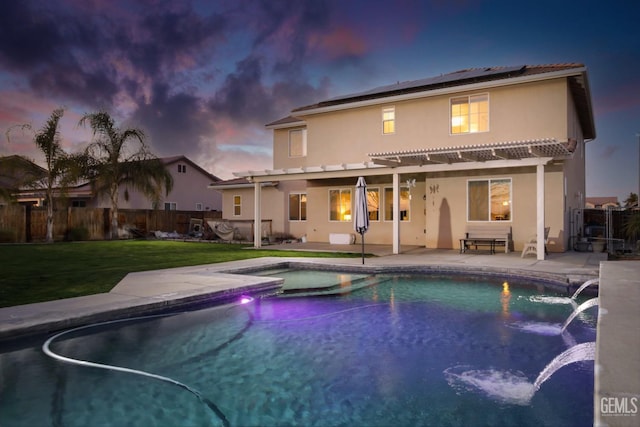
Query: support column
point(396, 213)
point(540, 210)
point(257, 215)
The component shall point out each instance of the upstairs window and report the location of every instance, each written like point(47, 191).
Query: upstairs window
point(489, 200)
point(182, 168)
point(237, 205)
point(388, 120)
point(298, 143)
point(470, 114)
point(339, 205)
point(170, 206)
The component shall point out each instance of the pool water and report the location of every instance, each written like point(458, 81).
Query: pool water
point(393, 352)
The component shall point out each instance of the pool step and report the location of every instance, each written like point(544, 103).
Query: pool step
point(275, 271)
point(337, 289)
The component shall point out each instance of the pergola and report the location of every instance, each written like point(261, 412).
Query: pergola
point(510, 154)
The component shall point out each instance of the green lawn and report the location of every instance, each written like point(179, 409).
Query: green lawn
point(42, 272)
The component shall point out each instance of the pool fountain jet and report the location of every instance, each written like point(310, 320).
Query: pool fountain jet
point(514, 388)
point(555, 328)
point(584, 286)
point(577, 353)
point(582, 307)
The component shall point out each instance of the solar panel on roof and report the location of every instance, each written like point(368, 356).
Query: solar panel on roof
point(430, 81)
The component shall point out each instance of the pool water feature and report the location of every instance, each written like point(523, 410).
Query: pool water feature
point(382, 354)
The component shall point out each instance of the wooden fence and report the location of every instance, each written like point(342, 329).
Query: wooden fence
point(20, 223)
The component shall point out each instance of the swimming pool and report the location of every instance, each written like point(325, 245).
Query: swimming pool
point(379, 350)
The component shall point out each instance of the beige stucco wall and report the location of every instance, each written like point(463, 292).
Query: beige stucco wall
point(447, 208)
point(575, 172)
point(526, 111)
point(281, 159)
point(275, 207)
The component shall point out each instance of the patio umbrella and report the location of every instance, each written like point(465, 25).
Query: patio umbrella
point(361, 218)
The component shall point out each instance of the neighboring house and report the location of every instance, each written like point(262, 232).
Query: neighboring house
point(490, 146)
point(15, 172)
point(189, 191)
point(601, 202)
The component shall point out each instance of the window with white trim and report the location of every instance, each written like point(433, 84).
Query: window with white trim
point(469, 114)
point(298, 143)
point(170, 206)
point(237, 205)
point(489, 200)
point(405, 204)
point(388, 120)
point(340, 205)
point(373, 203)
point(297, 207)
point(198, 206)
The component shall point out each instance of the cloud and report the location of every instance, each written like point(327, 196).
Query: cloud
point(174, 122)
point(339, 43)
point(90, 57)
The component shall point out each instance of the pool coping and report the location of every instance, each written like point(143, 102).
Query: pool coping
point(151, 292)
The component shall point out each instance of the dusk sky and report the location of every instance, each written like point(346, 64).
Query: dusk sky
point(202, 78)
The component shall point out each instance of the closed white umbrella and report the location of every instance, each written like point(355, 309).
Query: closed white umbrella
point(361, 218)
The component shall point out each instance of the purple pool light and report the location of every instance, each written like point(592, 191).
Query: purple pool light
point(245, 299)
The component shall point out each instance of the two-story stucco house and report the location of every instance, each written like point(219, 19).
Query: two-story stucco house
point(492, 146)
point(189, 191)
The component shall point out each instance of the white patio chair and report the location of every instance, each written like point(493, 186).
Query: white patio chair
point(531, 247)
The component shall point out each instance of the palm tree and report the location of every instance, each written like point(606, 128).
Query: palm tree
point(121, 158)
point(56, 175)
point(631, 201)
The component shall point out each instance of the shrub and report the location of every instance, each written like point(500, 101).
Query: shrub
point(7, 236)
point(631, 226)
point(279, 237)
point(77, 233)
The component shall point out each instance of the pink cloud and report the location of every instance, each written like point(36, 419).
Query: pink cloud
point(340, 42)
point(18, 108)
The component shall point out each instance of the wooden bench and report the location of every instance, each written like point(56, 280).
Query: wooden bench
point(487, 235)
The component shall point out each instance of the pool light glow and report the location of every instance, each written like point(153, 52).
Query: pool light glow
point(245, 299)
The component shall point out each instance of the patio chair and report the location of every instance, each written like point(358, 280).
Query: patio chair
point(531, 246)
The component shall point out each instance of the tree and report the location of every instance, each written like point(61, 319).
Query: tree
point(56, 172)
point(631, 201)
point(121, 158)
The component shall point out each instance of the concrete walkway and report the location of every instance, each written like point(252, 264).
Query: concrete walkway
point(617, 382)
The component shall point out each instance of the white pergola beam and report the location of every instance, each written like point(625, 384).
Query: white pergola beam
point(257, 215)
point(540, 211)
point(396, 213)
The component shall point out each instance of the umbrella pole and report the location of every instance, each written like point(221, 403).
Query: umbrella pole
point(362, 240)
